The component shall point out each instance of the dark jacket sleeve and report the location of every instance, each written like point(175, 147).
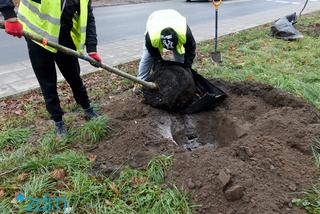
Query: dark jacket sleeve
point(91, 40)
point(190, 48)
point(7, 9)
point(154, 52)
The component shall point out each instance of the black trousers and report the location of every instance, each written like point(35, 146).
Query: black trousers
point(43, 63)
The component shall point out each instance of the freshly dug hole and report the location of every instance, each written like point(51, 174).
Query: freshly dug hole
point(249, 155)
point(193, 132)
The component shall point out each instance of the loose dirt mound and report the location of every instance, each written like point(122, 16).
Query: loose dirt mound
point(249, 155)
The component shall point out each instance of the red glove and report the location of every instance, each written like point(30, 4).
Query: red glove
point(13, 27)
point(95, 56)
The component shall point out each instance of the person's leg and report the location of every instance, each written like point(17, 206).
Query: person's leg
point(178, 57)
point(70, 69)
point(145, 64)
point(43, 65)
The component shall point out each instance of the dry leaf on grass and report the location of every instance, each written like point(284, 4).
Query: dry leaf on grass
point(92, 157)
point(138, 181)
point(2, 192)
point(232, 47)
point(143, 180)
point(250, 77)
point(14, 201)
point(60, 185)
point(108, 202)
point(58, 174)
point(134, 181)
point(18, 112)
point(115, 189)
point(22, 177)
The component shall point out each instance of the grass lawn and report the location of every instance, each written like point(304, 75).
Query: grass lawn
point(35, 163)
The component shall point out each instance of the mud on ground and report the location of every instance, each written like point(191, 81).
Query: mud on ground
point(250, 155)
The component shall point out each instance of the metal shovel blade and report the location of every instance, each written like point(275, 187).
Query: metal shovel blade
point(216, 56)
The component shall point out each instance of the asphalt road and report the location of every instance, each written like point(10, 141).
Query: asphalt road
point(124, 22)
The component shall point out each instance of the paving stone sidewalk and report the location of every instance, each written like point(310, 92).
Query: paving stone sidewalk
point(19, 78)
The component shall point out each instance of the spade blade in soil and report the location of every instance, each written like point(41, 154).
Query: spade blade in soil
point(216, 56)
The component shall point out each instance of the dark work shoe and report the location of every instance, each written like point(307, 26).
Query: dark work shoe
point(90, 114)
point(61, 131)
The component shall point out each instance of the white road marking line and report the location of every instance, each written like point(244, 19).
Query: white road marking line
point(283, 2)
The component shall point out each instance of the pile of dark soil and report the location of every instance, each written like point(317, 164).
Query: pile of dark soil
point(249, 155)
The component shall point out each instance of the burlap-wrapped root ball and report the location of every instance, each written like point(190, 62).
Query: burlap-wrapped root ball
point(176, 87)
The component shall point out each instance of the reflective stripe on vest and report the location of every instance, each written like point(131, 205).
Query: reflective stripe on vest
point(79, 29)
point(43, 19)
point(162, 19)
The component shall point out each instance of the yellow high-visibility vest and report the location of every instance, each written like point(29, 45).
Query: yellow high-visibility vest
point(162, 19)
point(43, 19)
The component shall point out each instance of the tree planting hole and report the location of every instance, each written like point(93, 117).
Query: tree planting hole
point(195, 131)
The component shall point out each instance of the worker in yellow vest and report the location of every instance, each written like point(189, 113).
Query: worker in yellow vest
point(70, 23)
point(166, 29)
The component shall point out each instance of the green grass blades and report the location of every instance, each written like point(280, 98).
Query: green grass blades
point(29, 159)
point(69, 159)
point(50, 144)
point(158, 167)
point(253, 54)
point(171, 201)
point(310, 200)
point(14, 137)
point(91, 131)
point(5, 206)
point(316, 152)
point(38, 185)
point(15, 158)
point(132, 192)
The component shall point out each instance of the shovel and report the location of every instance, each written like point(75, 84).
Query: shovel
point(77, 54)
point(216, 55)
